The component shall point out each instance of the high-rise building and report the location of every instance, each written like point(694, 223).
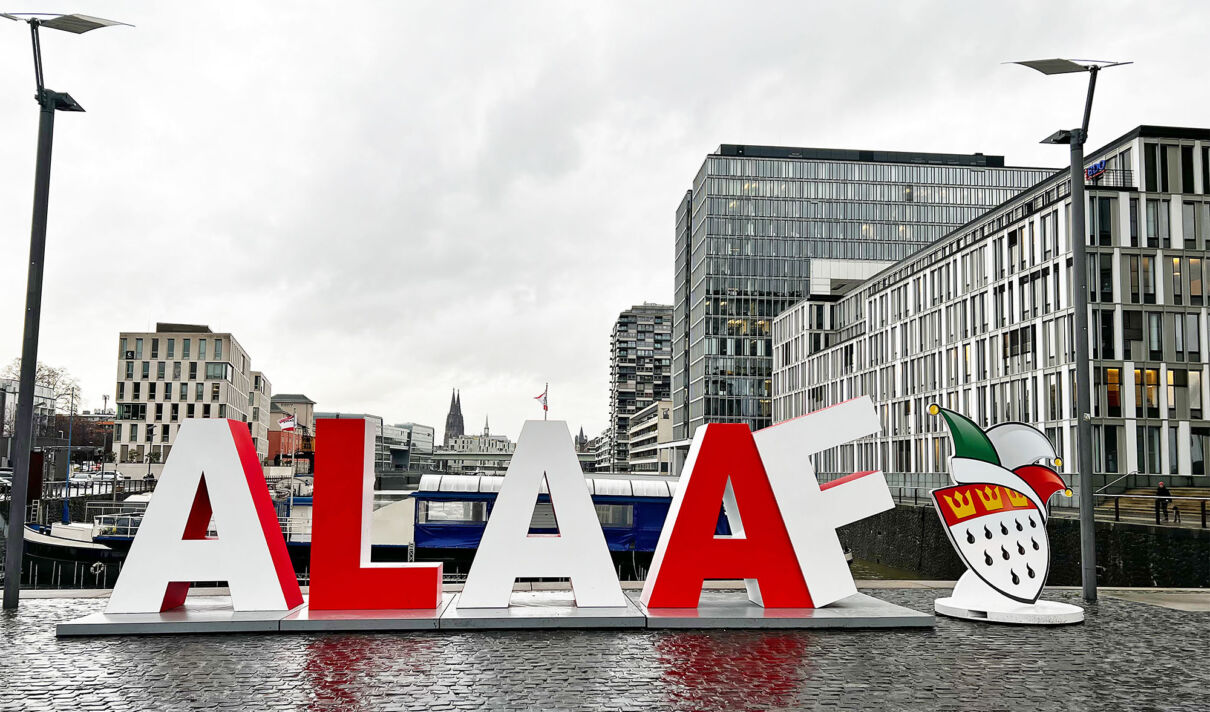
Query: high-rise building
point(454, 427)
point(756, 217)
point(640, 361)
point(182, 371)
point(981, 322)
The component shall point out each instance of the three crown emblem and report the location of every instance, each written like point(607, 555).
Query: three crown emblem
point(959, 507)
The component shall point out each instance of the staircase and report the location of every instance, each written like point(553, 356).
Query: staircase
point(1144, 509)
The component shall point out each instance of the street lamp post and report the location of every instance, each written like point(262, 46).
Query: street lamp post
point(71, 419)
point(1079, 266)
point(49, 102)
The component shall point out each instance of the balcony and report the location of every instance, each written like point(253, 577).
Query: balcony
point(1115, 178)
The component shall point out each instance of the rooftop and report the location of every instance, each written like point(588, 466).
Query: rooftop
point(844, 154)
point(164, 327)
point(291, 398)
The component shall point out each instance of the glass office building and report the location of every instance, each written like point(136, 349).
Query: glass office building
point(755, 218)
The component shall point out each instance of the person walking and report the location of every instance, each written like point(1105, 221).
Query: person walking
point(1164, 498)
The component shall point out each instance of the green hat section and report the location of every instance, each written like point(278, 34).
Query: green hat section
point(969, 440)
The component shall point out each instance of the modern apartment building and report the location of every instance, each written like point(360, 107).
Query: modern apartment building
point(754, 220)
point(981, 322)
point(651, 427)
point(182, 371)
point(602, 454)
point(420, 444)
point(640, 363)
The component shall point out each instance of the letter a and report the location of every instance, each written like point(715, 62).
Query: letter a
point(724, 467)
point(212, 465)
point(508, 550)
point(342, 575)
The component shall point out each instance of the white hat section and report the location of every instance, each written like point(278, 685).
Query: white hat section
point(1019, 444)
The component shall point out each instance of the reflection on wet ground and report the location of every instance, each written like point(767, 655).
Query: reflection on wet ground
point(1111, 662)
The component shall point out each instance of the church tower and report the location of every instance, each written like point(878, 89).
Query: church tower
point(453, 421)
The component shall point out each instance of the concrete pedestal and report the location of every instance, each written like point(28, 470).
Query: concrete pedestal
point(1040, 613)
point(541, 609)
point(732, 609)
point(305, 620)
point(209, 614)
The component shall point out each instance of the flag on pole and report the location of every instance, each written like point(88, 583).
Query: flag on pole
point(286, 423)
point(541, 398)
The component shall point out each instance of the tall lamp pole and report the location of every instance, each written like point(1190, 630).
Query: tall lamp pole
point(71, 419)
point(1079, 258)
point(49, 102)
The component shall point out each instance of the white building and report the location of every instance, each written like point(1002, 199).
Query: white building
point(981, 322)
point(44, 413)
point(182, 371)
point(484, 453)
point(650, 428)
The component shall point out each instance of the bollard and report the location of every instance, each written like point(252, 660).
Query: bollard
point(1117, 509)
point(1203, 503)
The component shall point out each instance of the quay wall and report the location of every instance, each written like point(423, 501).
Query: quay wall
point(911, 537)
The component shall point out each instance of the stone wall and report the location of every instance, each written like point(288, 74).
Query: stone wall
point(911, 537)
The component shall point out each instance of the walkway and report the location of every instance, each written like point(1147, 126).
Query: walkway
point(1111, 662)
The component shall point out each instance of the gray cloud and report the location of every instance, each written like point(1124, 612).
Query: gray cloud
point(396, 199)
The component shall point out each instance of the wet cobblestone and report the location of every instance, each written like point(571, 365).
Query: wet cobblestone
point(1128, 656)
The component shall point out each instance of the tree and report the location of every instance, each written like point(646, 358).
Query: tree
point(59, 380)
point(64, 387)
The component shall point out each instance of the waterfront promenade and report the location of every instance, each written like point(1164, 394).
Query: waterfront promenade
point(1139, 649)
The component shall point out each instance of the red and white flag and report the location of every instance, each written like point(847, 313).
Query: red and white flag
point(286, 423)
point(541, 397)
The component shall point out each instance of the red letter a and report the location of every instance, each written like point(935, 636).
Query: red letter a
point(759, 549)
point(342, 576)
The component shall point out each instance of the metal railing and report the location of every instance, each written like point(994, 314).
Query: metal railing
point(54, 490)
point(1111, 178)
point(1175, 514)
point(1069, 506)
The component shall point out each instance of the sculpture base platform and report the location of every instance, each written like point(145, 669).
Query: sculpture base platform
point(528, 610)
point(305, 620)
point(202, 614)
point(541, 609)
point(732, 609)
point(1040, 613)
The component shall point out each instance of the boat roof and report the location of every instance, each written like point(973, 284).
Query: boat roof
point(617, 486)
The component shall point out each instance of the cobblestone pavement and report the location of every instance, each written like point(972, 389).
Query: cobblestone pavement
point(1128, 656)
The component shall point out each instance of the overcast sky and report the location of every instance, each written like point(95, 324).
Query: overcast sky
point(383, 201)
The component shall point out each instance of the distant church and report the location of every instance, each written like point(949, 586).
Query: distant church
point(454, 427)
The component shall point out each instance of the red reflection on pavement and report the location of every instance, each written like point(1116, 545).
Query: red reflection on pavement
point(733, 670)
point(358, 672)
